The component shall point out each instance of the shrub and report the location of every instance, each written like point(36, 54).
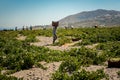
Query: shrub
point(112, 48)
point(3, 77)
point(18, 62)
point(83, 52)
point(60, 76)
point(99, 59)
point(80, 75)
point(40, 66)
point(63, 40)
point(31, 39)
point(87, 56)
point(84, 42)
point(69, 65)
point(28, 62)
point(118, 73)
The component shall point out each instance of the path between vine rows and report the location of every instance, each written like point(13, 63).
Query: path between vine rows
point(40, 74)
point(47, 42)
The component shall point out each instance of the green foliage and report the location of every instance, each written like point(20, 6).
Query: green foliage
point(60, 76)
point(88, 56)
point(40, 32)
point(118, 73)
point(40, 66)
point(28, 61)
point(85, 42)
point(17, 55)
point(103, 35)
point(10, 72)
point(63, 40)
point(31, 39)
point(99, 59)
point(69, 65)
point(18, 62)
point(84, 75)
point(80, 75)
point(3, 77)
point(112, 48)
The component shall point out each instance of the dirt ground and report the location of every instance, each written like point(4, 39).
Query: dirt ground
point(47, 42)
point(40, 74)
point(111, 72)
point(21, 37)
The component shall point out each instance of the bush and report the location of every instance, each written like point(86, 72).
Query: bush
point(69, 65)
point(87, 56)
point(40, 66)
point(31, 39)
point(83, 52)
point(16, 55)
point(63, 40)
point(118, 73)
point(3, 77)
point(84, 42)
point(99, 59)
point(28, 62)
point(60, 76)
point(18, 62)
point(80, 75)
point(112, 48)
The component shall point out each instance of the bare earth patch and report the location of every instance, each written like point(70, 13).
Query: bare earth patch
point(38, 73)
point(47, 42)
point(43, 41)
point(91, 46)
point(112, 72)
point(21, 37)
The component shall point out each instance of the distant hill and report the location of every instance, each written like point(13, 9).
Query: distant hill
point(99, 17)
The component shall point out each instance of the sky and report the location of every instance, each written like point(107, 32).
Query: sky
point(42, 12)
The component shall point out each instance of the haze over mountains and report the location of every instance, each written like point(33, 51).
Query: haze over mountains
point(99, 17)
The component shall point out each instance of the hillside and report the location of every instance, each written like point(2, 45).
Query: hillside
point(90, 18)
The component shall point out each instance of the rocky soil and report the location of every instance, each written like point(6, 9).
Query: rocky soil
point(40, 74)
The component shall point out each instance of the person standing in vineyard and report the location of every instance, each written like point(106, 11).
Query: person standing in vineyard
point(55, 25)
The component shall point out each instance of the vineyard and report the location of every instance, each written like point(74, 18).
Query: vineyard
point(92, 46)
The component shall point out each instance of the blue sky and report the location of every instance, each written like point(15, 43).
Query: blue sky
point(41, 12)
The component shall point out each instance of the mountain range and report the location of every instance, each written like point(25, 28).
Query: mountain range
point(100, 17)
